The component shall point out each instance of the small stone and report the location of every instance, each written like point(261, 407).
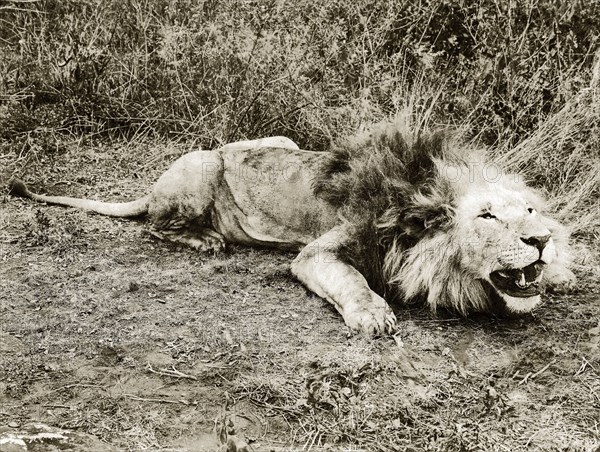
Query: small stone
point(42, 437)
point(133, 287)
point(14, 424)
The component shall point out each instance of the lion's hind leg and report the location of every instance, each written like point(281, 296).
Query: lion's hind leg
point(179, 226)
point(170, 225)
point(201, 239)
point(182, 202)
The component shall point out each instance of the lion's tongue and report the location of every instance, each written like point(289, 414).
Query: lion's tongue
point(533, 271)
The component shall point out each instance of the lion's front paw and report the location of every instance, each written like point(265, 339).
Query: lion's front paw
point(562, 283)
point(372, 318)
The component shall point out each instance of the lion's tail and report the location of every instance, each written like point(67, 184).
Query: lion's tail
point(112, 209)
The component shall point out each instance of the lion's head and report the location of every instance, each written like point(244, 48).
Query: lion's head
point(491, 248)
point(444, 224)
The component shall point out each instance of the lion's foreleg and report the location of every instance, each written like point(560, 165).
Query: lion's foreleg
point(320, 269)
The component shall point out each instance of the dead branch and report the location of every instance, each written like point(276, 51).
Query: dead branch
point(531, 376)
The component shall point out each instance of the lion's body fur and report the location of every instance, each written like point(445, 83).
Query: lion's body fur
point(395, 215)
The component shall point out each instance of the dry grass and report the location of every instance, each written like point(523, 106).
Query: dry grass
point(561, 157)
point(215, 72)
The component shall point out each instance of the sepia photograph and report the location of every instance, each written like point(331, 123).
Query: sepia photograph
point(292, 225)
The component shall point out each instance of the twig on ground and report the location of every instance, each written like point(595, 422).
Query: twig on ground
point(531, 376)
point(77, 385)
point(143, 399)
point(294, 411)
point(584, 365)
point(170, 373)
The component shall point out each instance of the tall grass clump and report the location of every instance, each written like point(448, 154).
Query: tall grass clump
point(217, 71)
point(562, 157)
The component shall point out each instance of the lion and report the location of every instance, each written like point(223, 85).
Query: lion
point(398, 215)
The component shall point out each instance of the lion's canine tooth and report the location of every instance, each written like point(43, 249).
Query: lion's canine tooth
point(503, 274)
point(539, 277)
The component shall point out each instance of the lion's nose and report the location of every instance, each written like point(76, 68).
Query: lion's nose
point(538, 241)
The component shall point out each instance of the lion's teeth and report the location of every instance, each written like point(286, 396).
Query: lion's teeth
point(522, 282)
point(539, 277)
point(503, 274)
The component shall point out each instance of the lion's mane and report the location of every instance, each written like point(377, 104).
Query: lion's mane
point(393, 192)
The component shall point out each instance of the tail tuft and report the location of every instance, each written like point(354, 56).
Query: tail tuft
point(16, 187)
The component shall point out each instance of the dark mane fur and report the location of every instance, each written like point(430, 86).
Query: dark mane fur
point(386, 188)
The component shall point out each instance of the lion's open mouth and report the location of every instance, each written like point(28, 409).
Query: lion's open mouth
point(519, 282)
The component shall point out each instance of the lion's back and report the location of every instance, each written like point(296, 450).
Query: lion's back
point(271, 188)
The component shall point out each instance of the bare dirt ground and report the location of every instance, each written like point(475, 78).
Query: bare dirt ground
point(150, 346)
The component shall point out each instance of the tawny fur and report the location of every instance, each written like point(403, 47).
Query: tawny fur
point(399, 188)
point(395, 215)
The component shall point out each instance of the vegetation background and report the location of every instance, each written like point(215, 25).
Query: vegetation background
point(128, 77)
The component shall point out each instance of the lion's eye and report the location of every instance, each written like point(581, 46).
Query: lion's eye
point(487, 216)
point(530, 210)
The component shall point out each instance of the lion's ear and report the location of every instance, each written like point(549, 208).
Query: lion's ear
point(427, 212)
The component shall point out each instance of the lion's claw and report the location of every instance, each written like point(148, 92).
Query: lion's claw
point(209, 243)
point(204, 240)
point(372, 318)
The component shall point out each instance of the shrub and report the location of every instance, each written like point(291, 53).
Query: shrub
point(217, 71)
